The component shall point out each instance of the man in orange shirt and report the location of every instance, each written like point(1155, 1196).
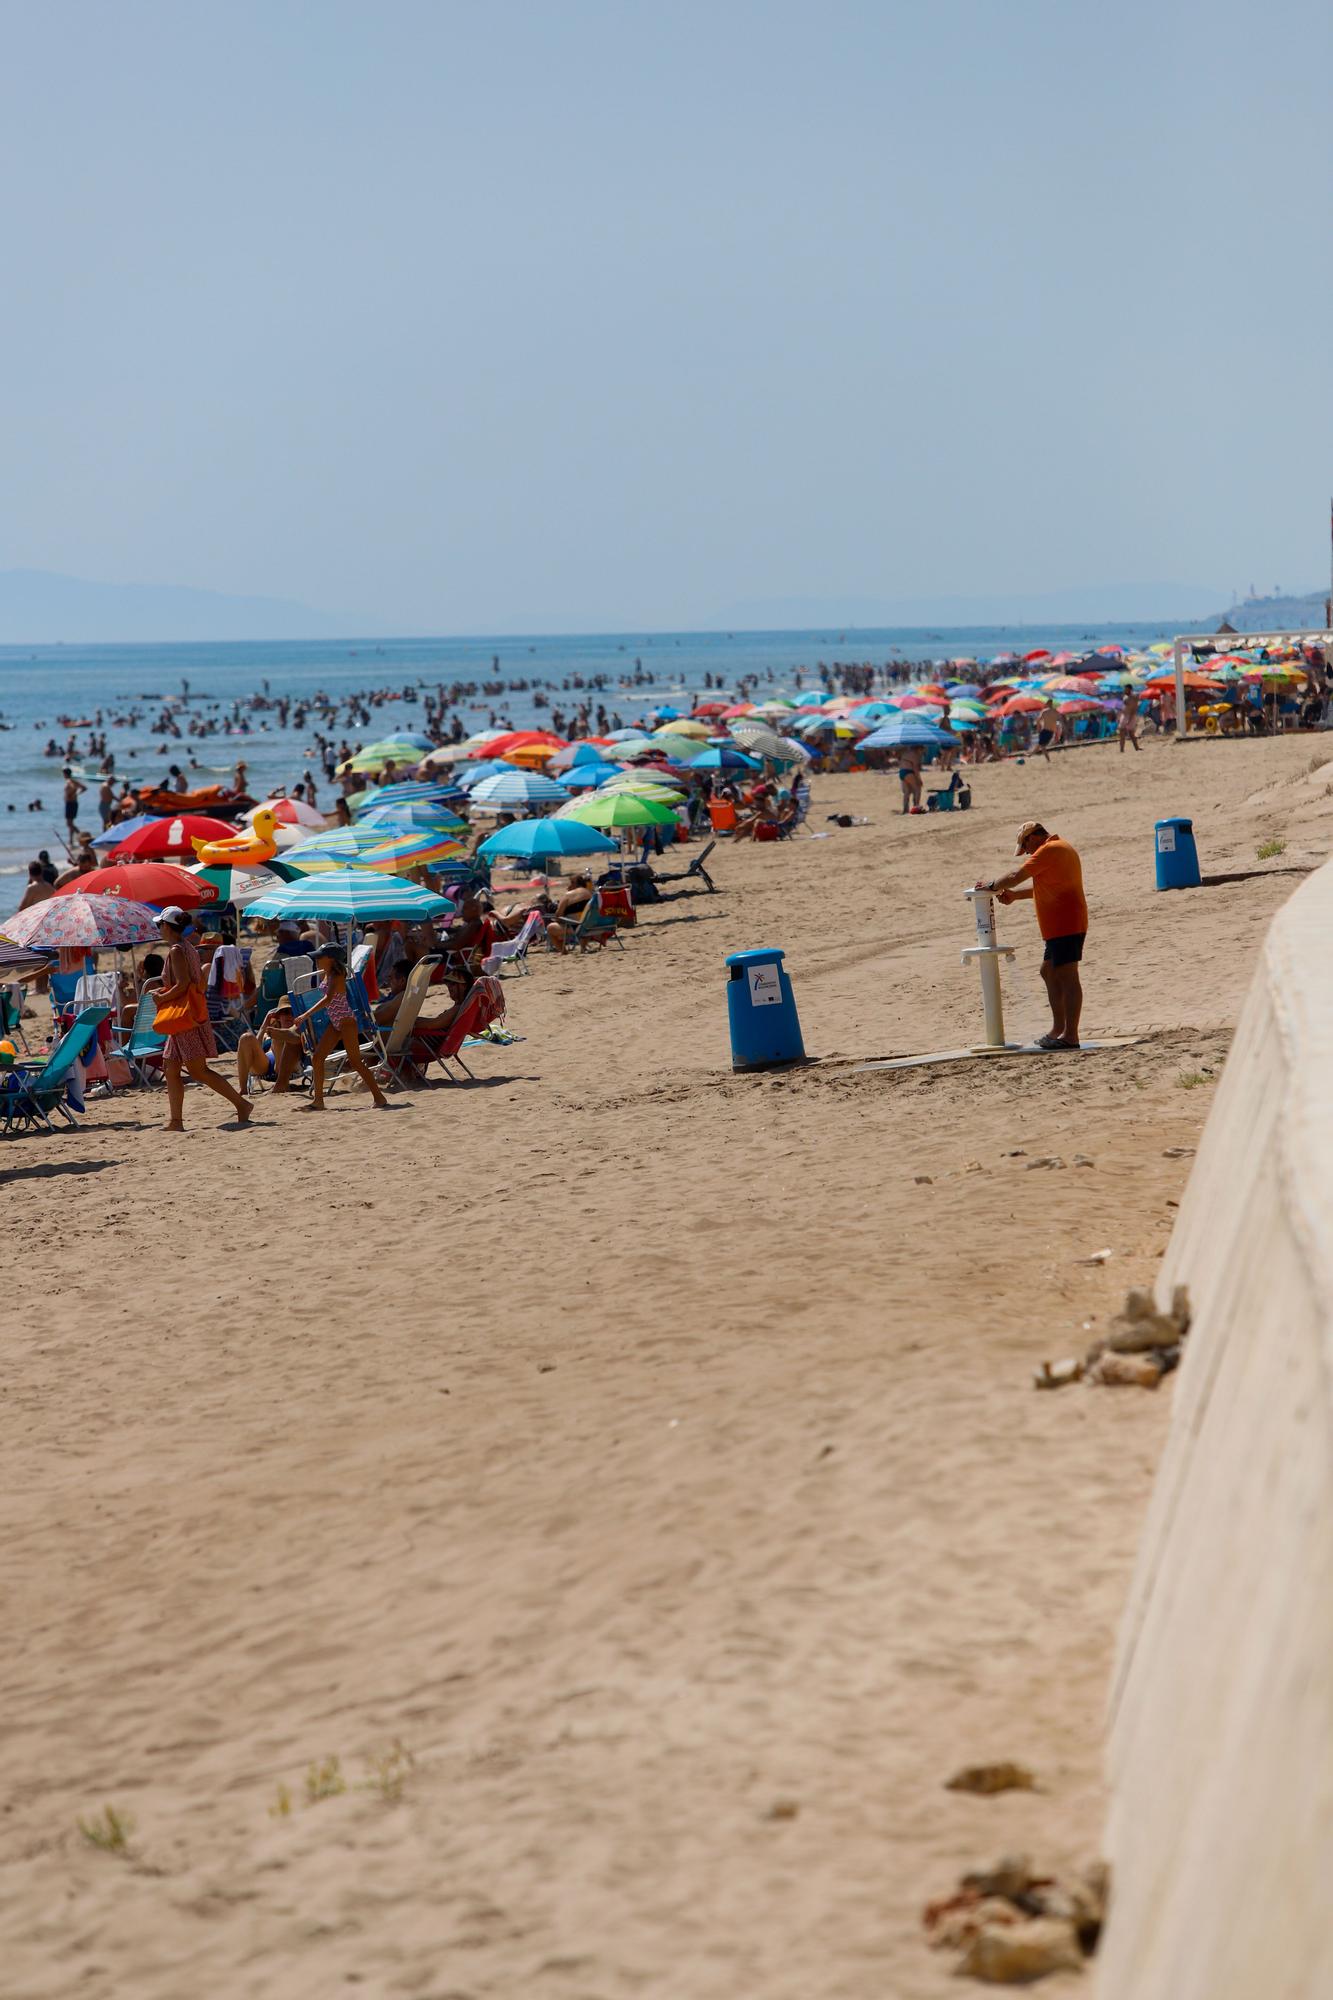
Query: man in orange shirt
point(1054, 873)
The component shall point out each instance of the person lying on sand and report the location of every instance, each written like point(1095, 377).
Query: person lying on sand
point(1054, 874)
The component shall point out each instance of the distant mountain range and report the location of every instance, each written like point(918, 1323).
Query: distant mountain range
point(39, 607)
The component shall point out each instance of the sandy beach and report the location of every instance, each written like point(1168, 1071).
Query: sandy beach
point(651, 1453)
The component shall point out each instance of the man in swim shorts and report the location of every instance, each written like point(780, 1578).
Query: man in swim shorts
point(1053, 873)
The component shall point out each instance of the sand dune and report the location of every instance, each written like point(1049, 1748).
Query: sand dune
point(650, 1452)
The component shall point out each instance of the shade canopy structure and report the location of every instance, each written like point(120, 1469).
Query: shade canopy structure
point(352, 895)
point(156, 882)
point(82, 923)
point(544, 840)
point(163, 839)
point(518, 788)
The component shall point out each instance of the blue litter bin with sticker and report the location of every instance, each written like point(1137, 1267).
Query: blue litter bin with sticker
point(761, 1011)
point(1177, 856)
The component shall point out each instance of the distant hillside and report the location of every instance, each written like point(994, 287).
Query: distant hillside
point(1272, 614)
point(39, 607)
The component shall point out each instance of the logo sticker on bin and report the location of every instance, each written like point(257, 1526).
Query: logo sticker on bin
point(1166, 840)
point(765, 986)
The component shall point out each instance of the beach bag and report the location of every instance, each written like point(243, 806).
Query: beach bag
point(177, 1017)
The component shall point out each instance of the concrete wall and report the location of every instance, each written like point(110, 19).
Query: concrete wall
point(1221, 1825)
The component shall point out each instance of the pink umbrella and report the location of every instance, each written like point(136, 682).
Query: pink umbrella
point(87, 923)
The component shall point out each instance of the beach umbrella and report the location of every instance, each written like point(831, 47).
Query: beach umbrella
point(905, 729)
point(518, 788)
point(121, 829)
point(157, 882)
point(1020, 704)
point(706, 710)
point(406, 791)
point(682, 749)
point(534, 756)
point(517, 739)
point(288, 812)
point(472, 774)
point(164, 837)
point(237, 886)
point(82, 923)
point(720, 759)
point(585, 777)
point(1037, 653)
point(394, 750)
point(352, 895)
point(667, 795)
point(406, 851)
point(572, 754)
point(412, 815)
point(17, 958)
point(685, 727)
point(1070, 684)
point(620, 809)
point(543, 839)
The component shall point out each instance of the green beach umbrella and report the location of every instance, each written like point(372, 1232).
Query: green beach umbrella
point(619, 809)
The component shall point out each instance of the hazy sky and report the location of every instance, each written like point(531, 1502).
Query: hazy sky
point(462, 317)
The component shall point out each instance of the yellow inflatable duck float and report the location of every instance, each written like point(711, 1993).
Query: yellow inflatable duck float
point(258, 843)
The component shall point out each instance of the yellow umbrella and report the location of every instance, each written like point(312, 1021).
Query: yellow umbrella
point(684, 727)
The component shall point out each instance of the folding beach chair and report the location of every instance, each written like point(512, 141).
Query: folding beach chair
point(34, 1090)
point(398, 1064)
point(594, 927)
point(484, 1005)
point(514, 951)
point(140, 1044)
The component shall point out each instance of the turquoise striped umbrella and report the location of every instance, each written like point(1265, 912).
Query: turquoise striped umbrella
point(352, 895)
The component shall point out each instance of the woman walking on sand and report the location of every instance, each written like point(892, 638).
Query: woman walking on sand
point(183, 1014)
point(341, 1029)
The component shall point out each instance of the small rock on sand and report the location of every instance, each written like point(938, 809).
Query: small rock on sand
point(1014, 1954)
point(986, 1779)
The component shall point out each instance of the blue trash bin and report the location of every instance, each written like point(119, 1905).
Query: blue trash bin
point(761, 1011)
point(1177, 856)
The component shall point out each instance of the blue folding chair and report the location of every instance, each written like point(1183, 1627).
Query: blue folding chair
point(34, 1090)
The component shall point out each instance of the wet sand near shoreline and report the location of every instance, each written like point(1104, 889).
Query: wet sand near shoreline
point(651, 1453)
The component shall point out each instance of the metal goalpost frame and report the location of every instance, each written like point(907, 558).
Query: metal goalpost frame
point(1191, 639)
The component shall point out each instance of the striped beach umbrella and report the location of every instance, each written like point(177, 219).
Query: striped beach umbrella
point(351, 895)
point(406, 851)
point(518, 788)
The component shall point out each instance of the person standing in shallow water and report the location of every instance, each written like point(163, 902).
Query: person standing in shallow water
point(187, 1050)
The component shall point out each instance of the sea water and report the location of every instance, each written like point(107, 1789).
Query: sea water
point(40, 683)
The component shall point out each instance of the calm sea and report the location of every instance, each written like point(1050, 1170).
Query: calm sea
point(38, 684)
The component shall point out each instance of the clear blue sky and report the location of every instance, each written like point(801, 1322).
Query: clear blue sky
point(599, 314)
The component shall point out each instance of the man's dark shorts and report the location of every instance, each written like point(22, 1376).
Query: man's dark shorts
point(1065, 950)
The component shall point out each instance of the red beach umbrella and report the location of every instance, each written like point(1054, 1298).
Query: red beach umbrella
point(171, 836)
point(1038, 653)
point(156, 882)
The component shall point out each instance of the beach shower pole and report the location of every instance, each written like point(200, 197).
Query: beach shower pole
point(988, 955)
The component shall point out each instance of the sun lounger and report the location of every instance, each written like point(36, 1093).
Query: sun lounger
point(697, 871)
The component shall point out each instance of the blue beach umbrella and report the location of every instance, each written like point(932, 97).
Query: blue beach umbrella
point(725, 758)
point(121, 829)
point(541, 839)
point(352, 895)
point(485, 767)
point(414, 815)
point(518, 788)
point(905, 729)
point(582, 777)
